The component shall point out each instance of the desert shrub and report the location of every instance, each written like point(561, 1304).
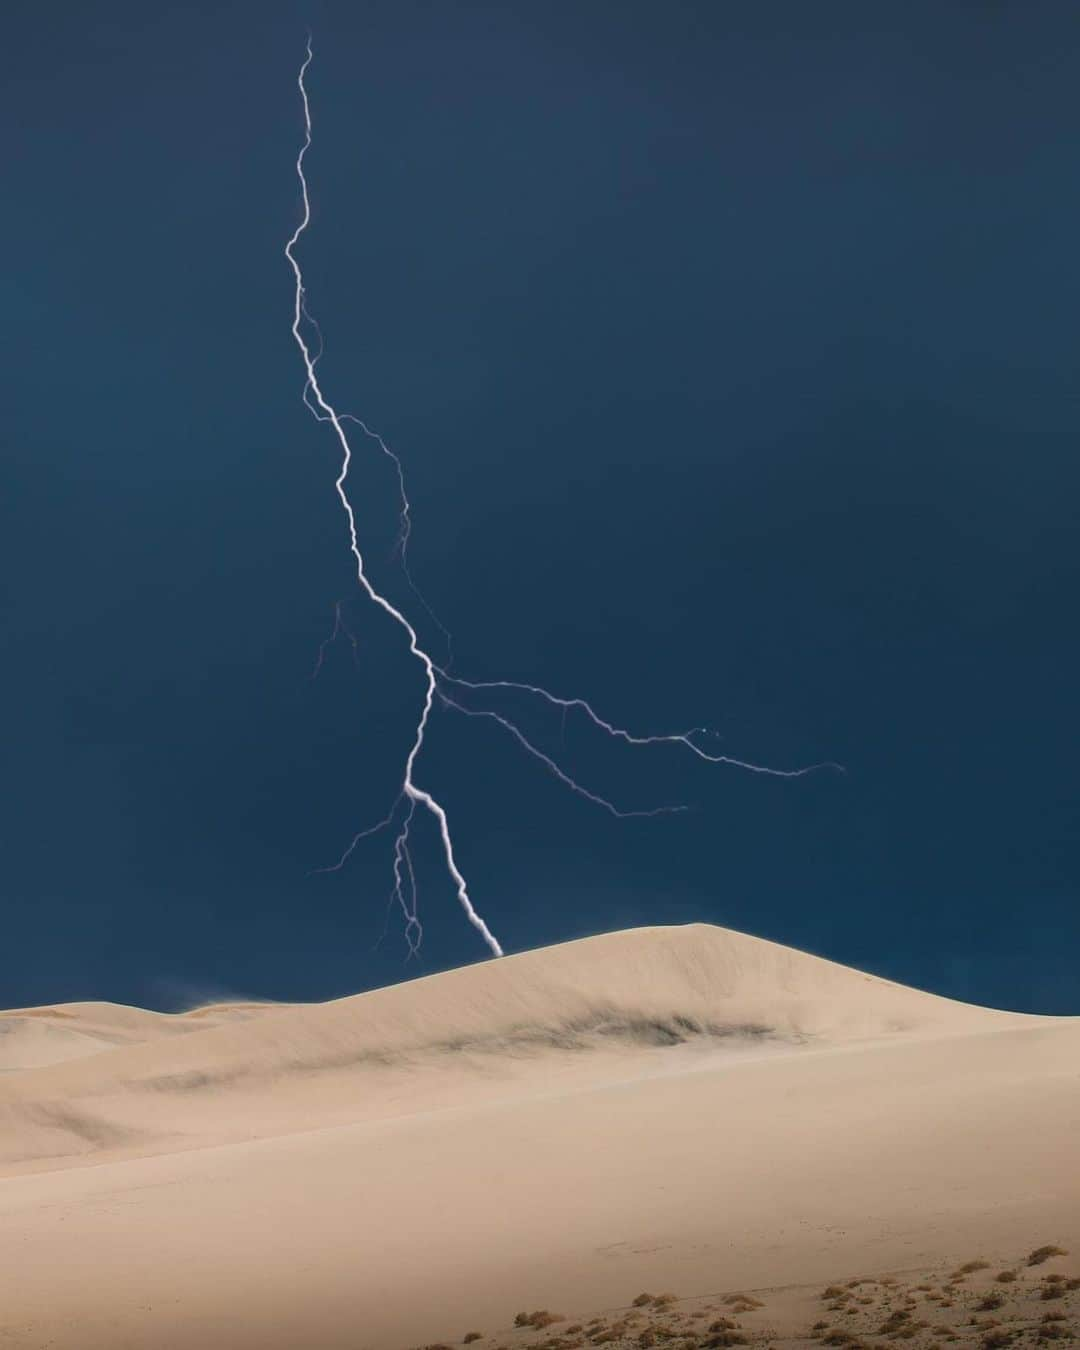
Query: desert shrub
point(894, 1320)
point(1041, 1254)
point(575, 1328)
point(970, 1267)
point(664, 1300)
point(1005, 1276)
point(994, 1340)
point(1050, 1291)
point(833, 1291)
point(539, 1319)
point(726, 1338)
point(642, 1300)
point(1051, 1331)
point(471, 1336)
point(819, 1326)
point(991, 1301)
point(838, 1336)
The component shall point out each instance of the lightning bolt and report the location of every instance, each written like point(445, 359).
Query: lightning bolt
point(439, 683)
point(410, 788)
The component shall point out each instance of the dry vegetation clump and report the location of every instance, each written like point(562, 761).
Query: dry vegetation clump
point(471, 1336)
point(539, 1319)
point(655, 1334)
point(969, 1268)
point(741, 1303)
point(1041, 1254)
point(991, 1301)
point(1005, 1276)
point(833, 1291)
point(642, 1300)
point(995, 1339)
point(900, 1326)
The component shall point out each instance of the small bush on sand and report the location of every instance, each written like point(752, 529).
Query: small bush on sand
point(471, 1336)
point(643, 1300)
point(726, 1338)
point(994, 1340)
point(969, 1268)
point(833, 1291)
point(540, 1318)
point(1051, 1331)
point(1005, 1276)
point(894, 1320)
point(991, 1301)
point(1041, 1254)
point(664, 1300)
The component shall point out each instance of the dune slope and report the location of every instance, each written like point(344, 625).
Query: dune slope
point(684, 1107)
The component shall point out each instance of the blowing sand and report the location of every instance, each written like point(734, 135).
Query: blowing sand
point(670, 1109)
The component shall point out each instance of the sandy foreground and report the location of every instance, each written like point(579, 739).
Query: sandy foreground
point(684, 1110)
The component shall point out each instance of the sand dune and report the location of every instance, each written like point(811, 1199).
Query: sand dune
point(684, 1107)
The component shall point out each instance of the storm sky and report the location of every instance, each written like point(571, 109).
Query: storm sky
point(731, 351)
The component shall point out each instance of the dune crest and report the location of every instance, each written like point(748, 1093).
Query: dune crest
point(109, 1077)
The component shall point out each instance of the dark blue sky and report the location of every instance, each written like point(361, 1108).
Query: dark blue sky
point(732, 353)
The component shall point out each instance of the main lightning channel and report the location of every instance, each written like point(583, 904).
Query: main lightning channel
point(438, 677)
point(416, 794)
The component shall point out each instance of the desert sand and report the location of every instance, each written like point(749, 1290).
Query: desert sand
point(682, 1109)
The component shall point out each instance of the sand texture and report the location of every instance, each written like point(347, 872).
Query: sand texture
point(681, 1109)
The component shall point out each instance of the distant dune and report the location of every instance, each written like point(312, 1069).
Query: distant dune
point(670, 1107)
